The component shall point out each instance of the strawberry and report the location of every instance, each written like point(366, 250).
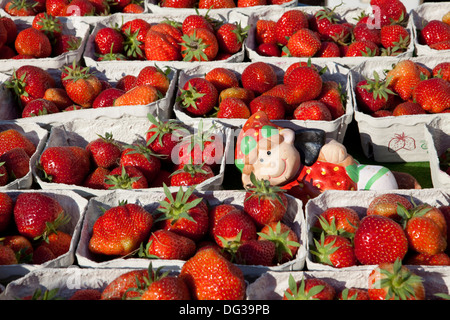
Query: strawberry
point(256, 252)
point(334, 97)
point(438, 259)
point(404, 77)
point(425, 228)
point(386, 205)
point(216, 4)
point(86, 294)
point(78, 8)
point(58, 242)
point(365, 32)
point(374, 94)
point(127, 286)
point(210, 276)
point(393, 281)
point(230, 37)
point(322, 19)
point(199, 44)
point(37, 214)
point(65, 43)
point(338, 33)
point(59, 97)
point(433, 95)
point(303, 43)
point(336, 251)
point(162, 178)
point(259, 77)
point(55, 7)
point(141, 157)
point(198, 96)
point(138, 96)
point(96, 179)
point(265, 203)
point(441, 70)
point(353, 294)
point(288, 24)
point(395, 37)
point(104, 151)
point(165, 244)
point(312, 110)
point(21, 246)
point(120, 230)
point(101, 7)
point(17, 163)
point(177, 3)
point(166, 287)
point(29, 82)
point(50, 25)
point(6, 210)
point(274, 107)
point(160, 47)
point(304, 83)
point(309, 289)
point(444, 45)
point(222, 78)
point(7, 256)
point(285, 239)
point(184, 213)
point(434, 32)
point(39, 107)
point(218, 211)
point(13, 138)
point(126, 83)
point(154, 76)
point(135, 34)
point(233, 108)
point(196, 21)
point(64, 164)
point(190, 174)
point(126, 177)
point(245, 95)
point(328, 49)
point(82, 87)
point(20, 8)
point(281, 91)
point(106, 98)
point(342, 221)
point(108, 40)
point(268, 50)
point(392, 12)
point(407, 108)
point(362, 49)
point(169, 27)
point(265, 32)
point(379, 239)
point(250, 3)
point(234, 229)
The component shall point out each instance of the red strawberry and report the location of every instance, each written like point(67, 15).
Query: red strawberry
point(55, 7)
point(403, 78)
point(129, 285)
point(365, 32)
point(259, 77)
point(154, 76)
point(268, 50)
point(86, 294)
point(104, 151)
point(107, 97)
point(166, 244)
point(82, 87)
point(406, 286)
point(309, 289)
point(338, 221)
point(285, 239)
point(21, 246)
point(322, 19)
point(256, 252)
point(64, 164)
point(78, 8)
point(281, 91)
point(374, 94)
point(328, 49)
point(312, 110)
point(234, 229)
point(135, 35)
point(392, 12)
point(120, 230)
point(230, 108)
point(444, 45)
point(433, 32)
point(198, 96)
point(433, 95)
point(39, 107)
point(407, 108)
point(7, 256)
point(216, 4)
point(101, 7)
point(336, 251)
point(338, 33)
point(386, 205)
point(334, 97)
point(217, 212)
point(289, 23)
point(59, 97)
point(6, 210)
point(184, 213)
point(190, 174)
point(303, 43)
point(245, 95)
point(442, 70)
point(126, 83)
point(142, 95)
point(274, 107)
point(96, 179)
point(108, 40)
point(230, 37)
point(177, 3)
point(250, 3)
point(304, 83)
point(166, 287)
point(199, 44)
point(265, 203)
point(142, 158)
point(210, 276)
point(265, 32)
point(50, 25)
point(20, 8)
point(379, 239)
point(16, 162)
point(58, 242)
point(37, 214)
point(169, 27)
point(222, 78)
point(362, 49)
point(13, 138)
point(160, 47)
point(126, 177)
point(196, 21)
point(395, 37)
point(353, 294)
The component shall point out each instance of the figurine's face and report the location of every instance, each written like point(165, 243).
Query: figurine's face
point(277, 161)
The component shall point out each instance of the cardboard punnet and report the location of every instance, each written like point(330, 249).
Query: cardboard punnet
point(154, 18)
point(126, 131)
point(392, 139)
point(38, 136)
point(347, 13)
point(71, 26)
point(420, 16)
point(74, 206)
point(160, 108)
point(437, 137)
point(359, 201)
point(334, 129)
point(294, 218)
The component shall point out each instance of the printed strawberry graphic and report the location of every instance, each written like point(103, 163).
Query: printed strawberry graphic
point(401, 142)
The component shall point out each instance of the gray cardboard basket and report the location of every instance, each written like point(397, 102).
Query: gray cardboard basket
point(74, 206)
point(334, 129)
point(150, 201)
point(380, 135)
point(344, 12)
